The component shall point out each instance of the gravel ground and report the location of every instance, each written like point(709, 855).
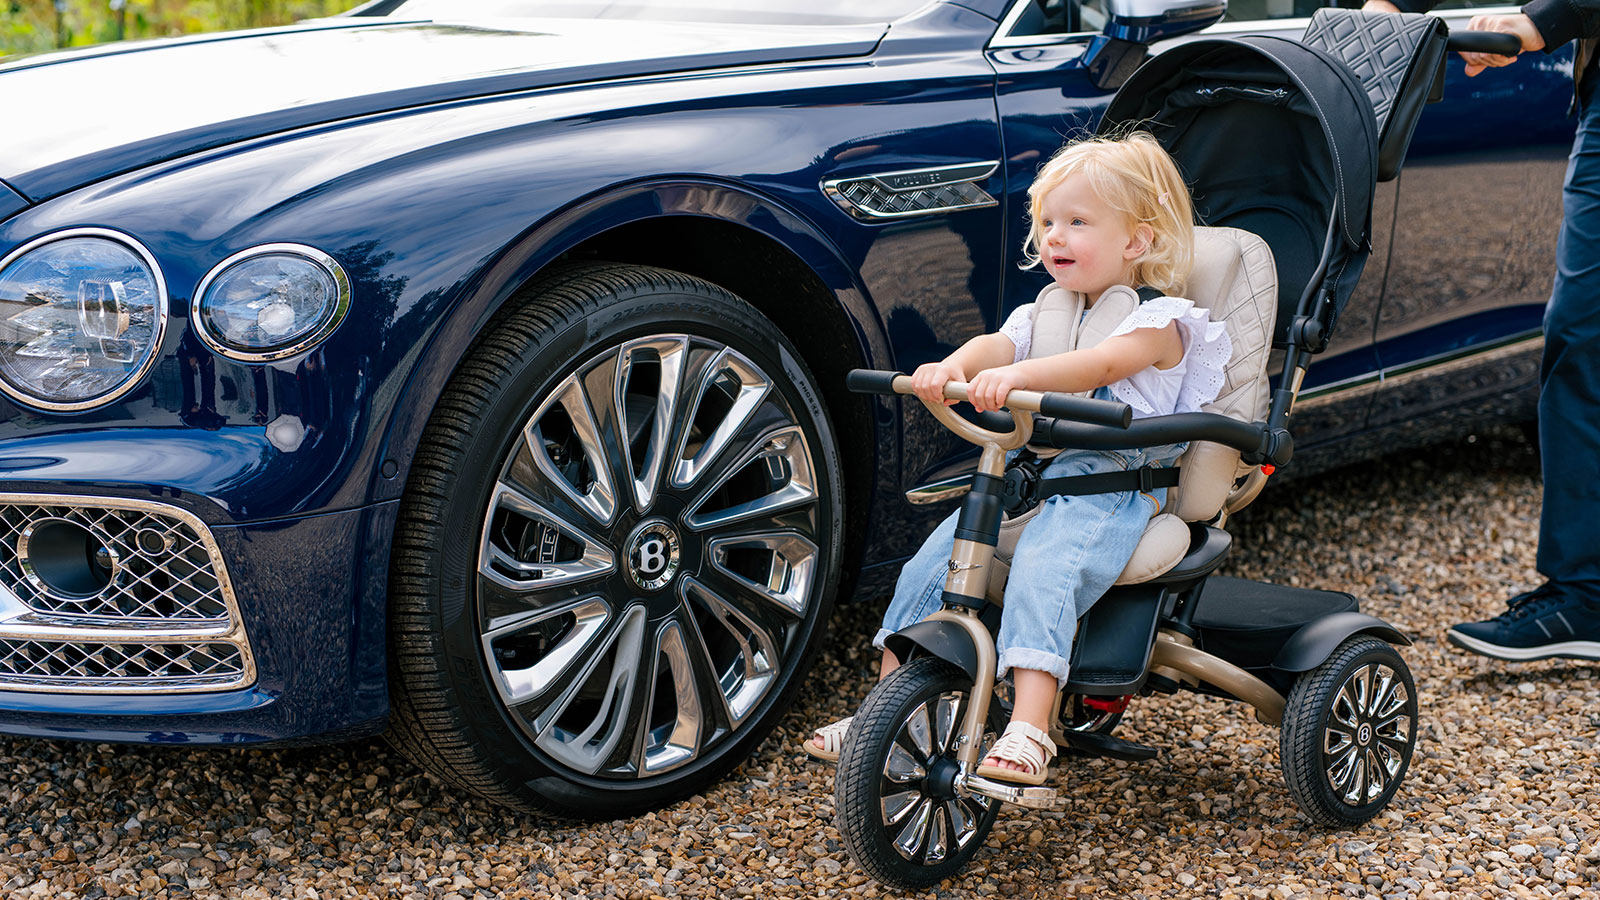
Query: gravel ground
point(1501, 799)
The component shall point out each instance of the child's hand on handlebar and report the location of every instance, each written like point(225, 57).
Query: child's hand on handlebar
point(988, 389)
point(929, 379)
point(1517, 24)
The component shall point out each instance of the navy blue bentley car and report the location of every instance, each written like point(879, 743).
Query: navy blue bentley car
point(475, 368)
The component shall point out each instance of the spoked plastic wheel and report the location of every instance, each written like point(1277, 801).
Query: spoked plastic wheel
point(1349, 728)
point(897, 808)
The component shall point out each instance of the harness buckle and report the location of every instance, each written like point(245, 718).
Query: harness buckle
point(1019, 489)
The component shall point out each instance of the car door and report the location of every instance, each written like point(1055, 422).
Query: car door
point(919, 212)
point(1043, 97)
point(1473, 254)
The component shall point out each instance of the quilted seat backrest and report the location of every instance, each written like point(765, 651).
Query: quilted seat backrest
point(1234, 277)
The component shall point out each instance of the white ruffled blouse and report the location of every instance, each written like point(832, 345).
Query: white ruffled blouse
point(1186, 387)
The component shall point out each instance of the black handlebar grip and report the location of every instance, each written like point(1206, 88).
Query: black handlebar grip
point(1496, 42)
point(1084, 409)
point(871, 381)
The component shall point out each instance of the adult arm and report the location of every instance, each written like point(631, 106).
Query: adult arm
point(1557, 21)
point(1537, 26)
point(1560, 21)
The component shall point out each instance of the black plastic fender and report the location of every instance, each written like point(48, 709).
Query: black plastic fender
point(1316, 641)
point(946, 640)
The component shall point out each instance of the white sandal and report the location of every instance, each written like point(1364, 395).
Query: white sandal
point(832, 740)
point(1025, 746)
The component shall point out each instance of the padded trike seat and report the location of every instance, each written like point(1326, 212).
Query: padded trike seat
point(1234, 277)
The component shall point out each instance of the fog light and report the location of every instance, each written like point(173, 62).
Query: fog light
point(66, 560)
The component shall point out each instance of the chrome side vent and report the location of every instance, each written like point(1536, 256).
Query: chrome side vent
point(913, 192)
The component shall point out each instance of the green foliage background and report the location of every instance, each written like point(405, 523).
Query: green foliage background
point(31, 26)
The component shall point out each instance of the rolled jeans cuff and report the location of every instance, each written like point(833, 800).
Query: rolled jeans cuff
point(1038, 660)
point(878, 639)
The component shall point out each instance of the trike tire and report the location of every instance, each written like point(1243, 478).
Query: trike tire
point(906, 832)
point(1349, 728)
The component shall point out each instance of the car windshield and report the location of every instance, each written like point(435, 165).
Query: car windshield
point(766, 12)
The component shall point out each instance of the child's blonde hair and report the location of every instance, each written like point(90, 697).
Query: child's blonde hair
point(1134, 175)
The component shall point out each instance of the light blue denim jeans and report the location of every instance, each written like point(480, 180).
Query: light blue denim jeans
point(1068, 556)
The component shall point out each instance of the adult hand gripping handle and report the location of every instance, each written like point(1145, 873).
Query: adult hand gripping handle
point(1496, 42)
point(1063, 406)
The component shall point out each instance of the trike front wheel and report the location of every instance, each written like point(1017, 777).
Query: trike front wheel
point(897, 809)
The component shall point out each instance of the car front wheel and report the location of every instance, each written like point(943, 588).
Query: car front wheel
point(617, 549)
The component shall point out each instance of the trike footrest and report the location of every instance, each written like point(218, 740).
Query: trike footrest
point(1040, 797)
point(1112, 649)
point(1106, 745)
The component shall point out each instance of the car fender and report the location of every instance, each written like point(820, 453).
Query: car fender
point(1315, 642)
point(544, 244)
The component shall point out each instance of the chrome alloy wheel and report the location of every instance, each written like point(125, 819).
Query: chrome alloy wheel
point(1367, 735)
point(924, 817)
point(648, 556)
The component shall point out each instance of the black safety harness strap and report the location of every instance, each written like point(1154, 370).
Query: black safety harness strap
point(1023, 489)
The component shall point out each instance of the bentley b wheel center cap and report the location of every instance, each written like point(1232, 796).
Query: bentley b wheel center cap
point(652, 554)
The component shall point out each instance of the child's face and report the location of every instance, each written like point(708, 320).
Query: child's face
point(1087, 246)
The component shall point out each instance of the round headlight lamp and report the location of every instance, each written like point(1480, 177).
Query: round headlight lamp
point(270, 302)
point(82, 314)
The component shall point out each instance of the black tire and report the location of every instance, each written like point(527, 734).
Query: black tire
point(1349, 728)
point(618, 546)
point(903, 852)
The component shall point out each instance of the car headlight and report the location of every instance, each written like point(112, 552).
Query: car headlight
point(270, 302)
point(82, 313)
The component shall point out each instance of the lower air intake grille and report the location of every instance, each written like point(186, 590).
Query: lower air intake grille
point(107, 595)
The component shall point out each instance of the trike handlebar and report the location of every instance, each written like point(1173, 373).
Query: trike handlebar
point(1061, 406)
point(1076, 422)
point(1250, 439)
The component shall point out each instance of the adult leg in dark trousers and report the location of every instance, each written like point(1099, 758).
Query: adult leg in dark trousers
point(1562, 616)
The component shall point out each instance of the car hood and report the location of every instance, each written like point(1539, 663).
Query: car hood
point(74, 118)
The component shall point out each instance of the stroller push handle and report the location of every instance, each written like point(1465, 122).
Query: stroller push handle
point(1062, 406)
point(1495, 42)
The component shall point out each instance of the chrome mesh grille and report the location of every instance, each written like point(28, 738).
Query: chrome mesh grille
point(117, 667)
point(177, 581)
point(159, 617)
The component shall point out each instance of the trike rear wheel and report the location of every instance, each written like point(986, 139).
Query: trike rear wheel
point(897, 811)
point(1349, 728)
